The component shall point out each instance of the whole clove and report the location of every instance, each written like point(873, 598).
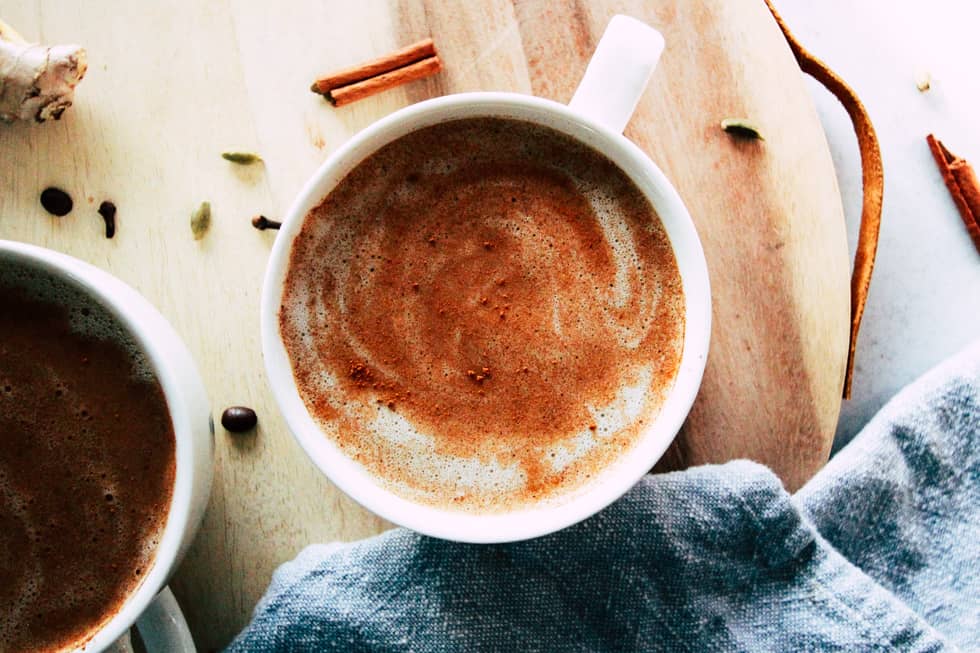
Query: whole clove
point(108, 212)
point(262, 223)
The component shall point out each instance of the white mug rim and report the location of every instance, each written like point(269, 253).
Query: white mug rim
point(83, 276)
point(539, 519)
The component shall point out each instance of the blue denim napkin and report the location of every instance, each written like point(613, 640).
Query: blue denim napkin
point(879, 552)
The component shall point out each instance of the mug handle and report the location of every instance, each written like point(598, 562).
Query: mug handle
point(618, 72)
point(162, 628)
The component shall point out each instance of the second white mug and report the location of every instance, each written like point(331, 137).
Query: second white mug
point(151, 606)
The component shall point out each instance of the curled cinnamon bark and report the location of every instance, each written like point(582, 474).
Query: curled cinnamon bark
point(873, 179)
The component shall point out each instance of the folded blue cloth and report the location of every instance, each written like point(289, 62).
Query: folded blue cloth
point(879, 552)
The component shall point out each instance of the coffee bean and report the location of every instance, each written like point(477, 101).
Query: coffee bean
point(239, 419)
point(56, 201)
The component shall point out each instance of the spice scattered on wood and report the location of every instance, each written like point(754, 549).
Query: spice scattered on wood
point(262, 223)
point(414, 62)
point(56, 201)
point(742, 128)
point(241, 158)
point(239, 419)
point(38, 82)
point(962, 183)
point(108, 212)
point(201, 220)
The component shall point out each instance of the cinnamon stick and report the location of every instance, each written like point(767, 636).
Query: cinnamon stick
point(374, 85)
point(408, 64)
point(962, 183)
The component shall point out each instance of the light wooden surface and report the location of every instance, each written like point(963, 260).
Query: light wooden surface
point(171, 85)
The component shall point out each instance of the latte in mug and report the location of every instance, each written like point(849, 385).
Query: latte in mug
point(483, 313)
point(87, 464)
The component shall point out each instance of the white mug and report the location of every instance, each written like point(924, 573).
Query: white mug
point(151, 607)
point(596, 116)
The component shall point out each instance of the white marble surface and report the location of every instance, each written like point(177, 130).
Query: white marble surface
point(924, 303)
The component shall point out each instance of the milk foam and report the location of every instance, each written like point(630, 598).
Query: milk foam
point(91, 479)
point(86, 315)
point(333, 269)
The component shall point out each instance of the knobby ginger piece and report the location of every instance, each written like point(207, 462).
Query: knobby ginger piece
point(37, 82)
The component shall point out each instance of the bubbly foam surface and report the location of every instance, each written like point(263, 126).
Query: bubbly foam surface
point(87, 462)
point(483, 313)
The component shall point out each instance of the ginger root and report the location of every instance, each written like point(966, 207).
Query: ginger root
point(37, 82)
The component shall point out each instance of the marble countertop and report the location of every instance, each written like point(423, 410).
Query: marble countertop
point(924, 303)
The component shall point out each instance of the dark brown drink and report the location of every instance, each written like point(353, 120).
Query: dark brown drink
point(87, 461)
point(483, 313)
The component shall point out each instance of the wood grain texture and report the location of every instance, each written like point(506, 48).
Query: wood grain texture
point(171, 87)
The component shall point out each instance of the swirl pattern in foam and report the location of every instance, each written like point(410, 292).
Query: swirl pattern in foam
point(87, 462)
point(483, 313)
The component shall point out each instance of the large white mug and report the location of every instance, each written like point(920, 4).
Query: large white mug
point(596, 116)
point(151, 607)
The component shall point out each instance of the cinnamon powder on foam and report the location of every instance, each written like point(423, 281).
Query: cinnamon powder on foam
point(483, 313)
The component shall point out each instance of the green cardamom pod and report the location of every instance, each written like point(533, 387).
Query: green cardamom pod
point(201, 220)
point(742, 128)
point(241, 158)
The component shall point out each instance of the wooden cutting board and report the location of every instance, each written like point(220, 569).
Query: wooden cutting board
point(172, 85)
